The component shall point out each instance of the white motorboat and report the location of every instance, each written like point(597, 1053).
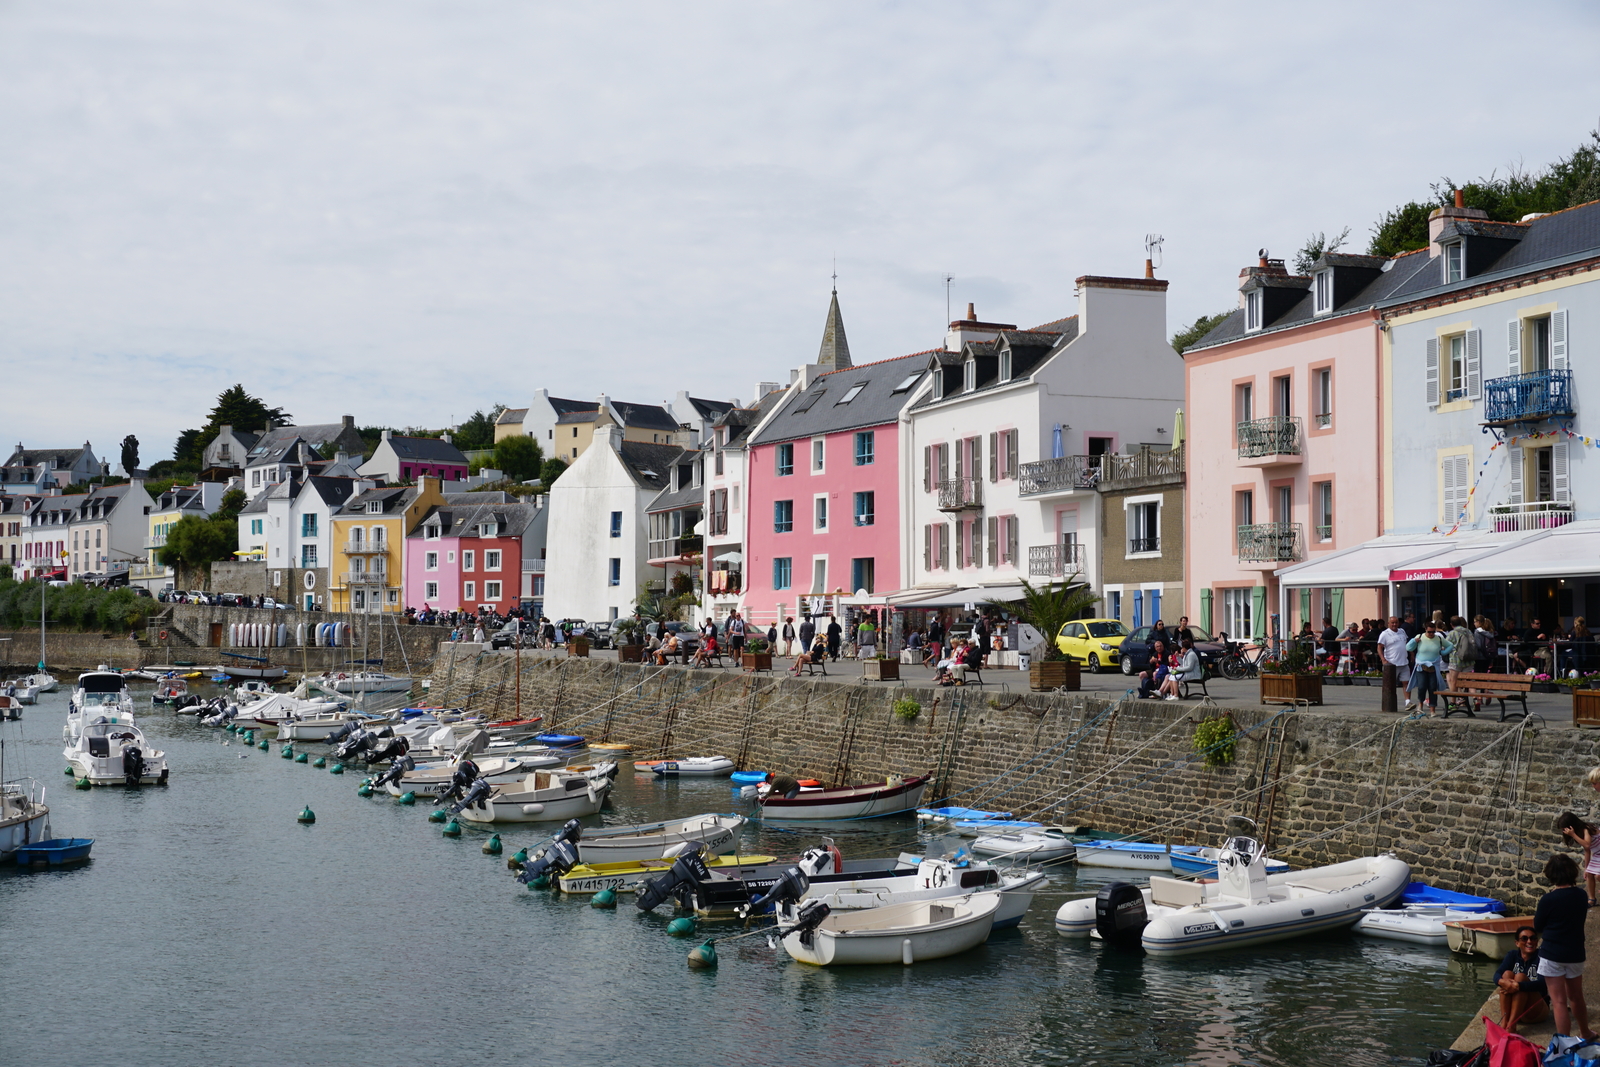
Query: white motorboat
point(936, 879)
point(694, 767)
point(1245, 906)
point(24, 818)
point(433, 779)
point(99, 693)
point(543, 796)
point(1047, 844)
point(280, 708)
point(10, 708)
point(717, 834)
point(896, 933)
point(863, 802)
point(43, 681)
point(22, 694)
point(111, 750)
point(348, 682)
point(313, 727)
point(250, 690)
point(1127, 855)
point(170, 690)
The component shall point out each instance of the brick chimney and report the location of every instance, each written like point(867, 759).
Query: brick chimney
point(1441, 215)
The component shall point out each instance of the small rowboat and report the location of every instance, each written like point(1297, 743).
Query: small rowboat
point(893, 797)
point(897, 933)
point(946, 815)
point(651, 841)
point(55, 851)
point(628, 877)
point(1031, 846)
point(694, 767)
point(749, 777)
point(1487, 937)
point(559, 740)
point(1128, 855)
point(615, 748)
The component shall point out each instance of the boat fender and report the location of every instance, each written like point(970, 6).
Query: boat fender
point(1119, 914)
point(83, 783)
point(703, 957)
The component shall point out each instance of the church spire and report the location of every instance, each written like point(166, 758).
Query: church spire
point(835, 351)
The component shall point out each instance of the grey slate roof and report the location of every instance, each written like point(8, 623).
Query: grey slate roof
point(511, 417)
point(835, 350)
point(650, 465)
point(393, 498)
point(875, 405)
point(1030, 350)
point(710, 409)
point(568, 418)
point(335, 492)
point(645, 416)
point(426, 450)
point(566, 407)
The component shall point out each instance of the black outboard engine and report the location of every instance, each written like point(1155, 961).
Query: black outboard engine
point(806, 922)
point(784, 893)
point(466, 773)
point(355, 742)
point(337, 737)
point(132, 764)
point(388, 748)
point(557, 859)
point(1119, 914)
point(477, 794)
point(395, 771)
point(688, 872)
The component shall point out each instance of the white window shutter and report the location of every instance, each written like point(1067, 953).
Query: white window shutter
point(1433, 372)
point(944, 546)
point(994, 457)
point(1447, 489)
point(1011, 454)
point(1474, 364)
point(1560, 482)
point(1514, 346)
point(1514, 461)
point(1011, 540)
point(1463, 484)
point(1558, 340)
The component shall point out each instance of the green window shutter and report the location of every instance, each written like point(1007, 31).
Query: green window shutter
point(1205, 610)
point(1258, 613)
point(1336, 607)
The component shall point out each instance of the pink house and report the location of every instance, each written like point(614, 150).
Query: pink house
point(1283, 468)
point(822, 489)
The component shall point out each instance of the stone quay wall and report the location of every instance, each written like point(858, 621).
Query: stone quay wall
point(1469, 804)
point(372, 635)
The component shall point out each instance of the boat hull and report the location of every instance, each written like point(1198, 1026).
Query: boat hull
point(108, 770)
point(899, 933)
point(628, 877)
point(551, 804)
point(24, 822)
point(1124, 856)
point(1027, 847)
point(867, 802)
point(711, 767)
point(55, 852)
point(716, 833)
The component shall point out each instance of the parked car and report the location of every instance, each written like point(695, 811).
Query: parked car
point(268, 602)
point(1136, 650)
point(506, 636)
point(600, 635)
point(1095, 643)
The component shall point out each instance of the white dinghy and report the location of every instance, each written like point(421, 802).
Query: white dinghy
point(647, 841)
point(1048, 844)
point(894, 933)
point(543, 796)
point(694, 767)
point(936, 879)
point(433, 779)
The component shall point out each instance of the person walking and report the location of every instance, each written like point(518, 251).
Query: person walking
point(866, 639)
point(1392, 647)
point(1432, 650)
point(1465, 656)
point(808, 630)
point(788, 636)
point(835, 634)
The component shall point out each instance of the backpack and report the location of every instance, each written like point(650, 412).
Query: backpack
point(1488, 647)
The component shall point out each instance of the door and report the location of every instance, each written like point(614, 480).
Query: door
point(1067, 537)
point(215, 639)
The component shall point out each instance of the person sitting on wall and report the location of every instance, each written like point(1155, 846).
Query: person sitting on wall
point(1156, 672)
point(1523, 995)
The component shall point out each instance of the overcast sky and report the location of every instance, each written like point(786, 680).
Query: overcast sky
point(408, 209)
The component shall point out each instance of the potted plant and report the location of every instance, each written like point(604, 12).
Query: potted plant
point(1047, 609)
point(1542, 684)
point(1585, 701)
point(1291, 679)
point(880, 668)
point(630, 649)
point(578, 645)
point(757, 654)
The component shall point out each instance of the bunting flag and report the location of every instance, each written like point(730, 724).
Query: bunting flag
point(1560, 431)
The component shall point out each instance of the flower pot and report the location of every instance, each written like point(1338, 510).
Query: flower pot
point(880, 670)
point(1291, 688)
point(1586, 707)
point(1544, 687)
point(578, 646)
point(630, 653)
point(1054, 674)
point(758, 661)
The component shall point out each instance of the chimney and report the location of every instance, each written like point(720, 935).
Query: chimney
point(385, 435)
point(349, 421)
point(972, 312)
point(1149, 269)
point(970, 329)
point(445, 437)
point(1461, 198)
point(1441, 215)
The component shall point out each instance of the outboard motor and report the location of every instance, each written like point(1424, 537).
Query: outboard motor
point(132, 764)
point(338, 736)
point(783, 894)
point(806, 922)
point(355, 742)
point(1119, 914)
point(395, 771)
point(687, 873)
point(388, 748)
point(477, 794)
point(557, 859)
point(465, 774)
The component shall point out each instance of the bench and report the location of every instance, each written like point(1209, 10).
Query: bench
point(964, 675)
point(811, 668)
point(1185, 687)
point(1500, 687)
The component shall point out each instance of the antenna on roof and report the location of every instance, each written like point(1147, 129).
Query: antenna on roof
point(948, 278)
point(1152, 248)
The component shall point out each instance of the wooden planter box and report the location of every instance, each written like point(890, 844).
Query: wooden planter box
point(1054, 674)
point(880, 670)
point(758, 661)
point(1586, 707)
point(578, 646)
point(1291, 688)
point(630, 653)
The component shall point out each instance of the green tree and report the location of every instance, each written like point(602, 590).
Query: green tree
point(551, 470)
point(1187, 338)
point(194, 544)
point(519, 457)
point(130, 454)
point(477, 432)
point(1316, 246)
point(1049, 607)
point(236, 408)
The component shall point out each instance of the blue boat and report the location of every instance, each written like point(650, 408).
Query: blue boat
point(1202, 862)
point(970, 814)
point(1423, 893)
point(749, 777)
point(55, 851)
point(560, 740)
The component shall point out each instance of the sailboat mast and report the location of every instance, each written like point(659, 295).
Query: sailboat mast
point(44, 585)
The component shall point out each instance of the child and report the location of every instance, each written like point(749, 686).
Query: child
point(1582, 834)
point(1559, 921)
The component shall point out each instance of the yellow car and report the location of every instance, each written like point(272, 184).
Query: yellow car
point(1096, 643)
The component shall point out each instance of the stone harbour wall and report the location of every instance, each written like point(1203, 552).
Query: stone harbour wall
point(1470, 804)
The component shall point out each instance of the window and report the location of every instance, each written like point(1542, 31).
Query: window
point(308, 526)
point(866, 507)
point(614, 571)
point(855, 391)
point(377, 538)
point(782, 572)
point(861, 575)
point(616, 524)
point(1244, 508)
point(394, 596)
point(358, 599)
point(1005, 365)
point(1539, 344)
point(809, 400)
point(820, 505)
point(375, 507)
point(1455, 485)
point(1282, 396)
point(431, 532)
point(491, 562)
point(1143, 527)
point(907, 382)
point(255, 479)
point(969, 375)
point(491, 590)
point(1453, 262)
point(308, 555)
point(1252, 311)
point(1244, 402)
point(430, 591)
point(938, 382)
point(1236, 620)
point(785, 456)
point(865, 448)
point(430, 561)
point(717, 462)
point(470, 591)
point(1282, 503)
point(467, 559)
point(818, 455)
point(782, 516)
point(255, 527)
point(819, 574)
point(1322, 494)
point(1322, 292)
point(489, 529)
point(1456, 373)
point(1322, 383)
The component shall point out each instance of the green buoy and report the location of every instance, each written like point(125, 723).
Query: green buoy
point(71, 771)
point(83, 783)
point(492, 846)
point(683, 926)
point(364, 789)
point(302, 757)
point(438, 815)
point(520, 856)
point(703, 957)
point(541, 882)
point(407, 798)
point(452, 829)
point(337, 768)
point(606, 898)
point(306, 815)
point(320, 761)
point(263, 746)
point(287, 752)
point(231, 728)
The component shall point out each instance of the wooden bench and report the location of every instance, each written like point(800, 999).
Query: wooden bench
point(1185, 687)
point(811, 668)
point(1500, 687)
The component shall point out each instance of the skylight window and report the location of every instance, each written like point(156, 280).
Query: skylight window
point(855, 391)
point(907, 383)
point(806, 402)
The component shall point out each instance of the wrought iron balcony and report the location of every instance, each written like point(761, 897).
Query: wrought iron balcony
point(1145, 463)
point(1271, 437)
point(1533, 515)
point(366, 578)
point(1060, 475)
point(1055, 561)
point(1540, 394)
point(961, 494)
point(1270, 542)
point(1144, 544)
point(365, 548)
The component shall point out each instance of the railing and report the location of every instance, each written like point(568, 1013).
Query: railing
point(1144, 544)
point(960, 494)
point(1270, 542)
point(1144, 463)
point(365, 548)
point(155, 542)
point(1324, 533)
point(533, 566)
point(1534, 515)
point(1055, 561)
point(1275, 435)
point(1060, 475)
point(674, 547)
point(1539, 394)
point(1324, 419)
point(366, 578)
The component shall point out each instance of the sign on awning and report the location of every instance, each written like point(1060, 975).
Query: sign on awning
point(1425, 574)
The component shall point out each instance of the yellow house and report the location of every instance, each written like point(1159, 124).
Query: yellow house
point(369, 544)
point(180, 500)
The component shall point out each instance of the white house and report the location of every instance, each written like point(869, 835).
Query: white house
point(725, 474)
point(286, 450)
point(109, 530)
point(32, 470)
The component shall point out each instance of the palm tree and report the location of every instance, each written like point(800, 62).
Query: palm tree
point(1049, 608)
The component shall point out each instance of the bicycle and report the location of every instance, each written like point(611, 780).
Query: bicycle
point(1237, 662)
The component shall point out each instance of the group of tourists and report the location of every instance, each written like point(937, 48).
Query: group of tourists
point(1358, 647)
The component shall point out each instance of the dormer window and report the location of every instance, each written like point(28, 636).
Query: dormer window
point(1322, 292)
point(489, 529)
point(855, 391)
point(1005, 365)
point(1454, 261)
point(969, 375)
point(1252, 311)
point(375, 507)
point(938, 383)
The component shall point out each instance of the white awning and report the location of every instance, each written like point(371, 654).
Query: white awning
point(1365, 564)
point(956, 598)
point(1564, 552)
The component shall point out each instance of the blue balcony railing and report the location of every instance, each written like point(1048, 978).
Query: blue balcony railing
point(1540, 394)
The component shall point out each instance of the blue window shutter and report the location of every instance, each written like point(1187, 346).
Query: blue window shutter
point(1138, 608)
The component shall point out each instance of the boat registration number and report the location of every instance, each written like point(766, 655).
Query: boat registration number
point(592, 885)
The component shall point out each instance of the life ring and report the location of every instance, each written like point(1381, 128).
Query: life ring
point(838, 858)
point(162, 636)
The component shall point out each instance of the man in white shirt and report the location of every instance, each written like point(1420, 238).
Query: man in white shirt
point(1392, 645)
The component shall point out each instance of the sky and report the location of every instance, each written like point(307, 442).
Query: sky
point(408, 210)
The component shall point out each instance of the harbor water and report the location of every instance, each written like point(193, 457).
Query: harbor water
point(212, 928)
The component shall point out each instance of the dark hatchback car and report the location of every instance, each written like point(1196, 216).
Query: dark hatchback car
point(1136, 649)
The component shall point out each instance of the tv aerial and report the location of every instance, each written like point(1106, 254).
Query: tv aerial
point(1152, 248)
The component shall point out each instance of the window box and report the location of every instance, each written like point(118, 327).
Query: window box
point(1291, 688)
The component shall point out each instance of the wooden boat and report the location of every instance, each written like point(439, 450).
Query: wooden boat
point(870, 801)
point(544, 796)
point(648, 841)
point(610, 748)
point(897, 933)
point(1487, 937)
point(628, 877)
point(693, 767)
point(55, 851)
point(1049, 844)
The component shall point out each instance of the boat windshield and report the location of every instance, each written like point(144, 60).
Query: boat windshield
point(101, 683)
